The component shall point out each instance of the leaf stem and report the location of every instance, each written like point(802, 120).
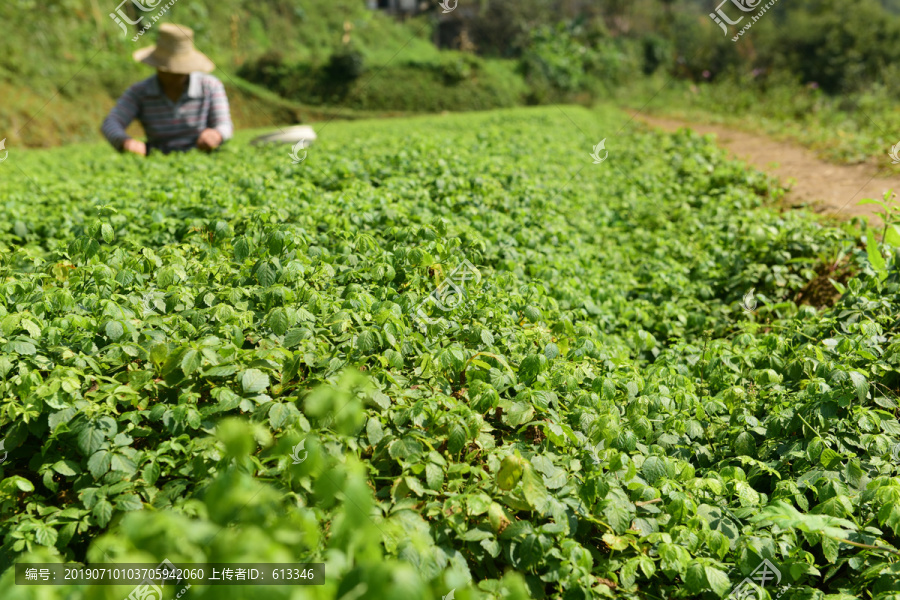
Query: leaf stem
point(596, 521)
point(654, 501)
point(494, 356)
point(808, 425)
point(859, 545)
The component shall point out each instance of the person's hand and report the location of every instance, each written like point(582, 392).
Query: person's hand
point(209, 140)
point(135, 147)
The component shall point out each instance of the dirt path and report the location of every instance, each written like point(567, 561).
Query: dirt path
point(825, 187)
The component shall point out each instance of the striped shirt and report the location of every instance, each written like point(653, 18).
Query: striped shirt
point(171, 125)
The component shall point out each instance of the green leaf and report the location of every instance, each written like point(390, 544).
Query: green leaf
point(717, 580)
point(718, 542)
point(266, 274)
point(875, 257)
point(498, 518)
point(787, 517)
point(859, 384)
point(628, 572)
point(695, 578)
point(16, 482)
point(127, 502)
point(107, 232)
point(532, 366)
point(653, 469)
point(854, 473)
point(475, 535)
point(63, 416)
point(836, 506)
point(533, 314)
point(94, 435)
point(533, 487)
point(276, 243)
point(102, 512)
point(745, 445)
point(241, 249)
point(519, 414)
point(394, 358)
point(618, 515)
point(67, 467)
point(20, 347)
point(278, 321)
point(383, 401)
point(434, 476)
point(405, 449)
point(278, 415)
point(374, 431)
point(254, 381)
point(223, 371)
point(889, 514)
point(159, 353)
point(616, 542)
point(166, 277)
point(456, 441)
point(510, 472)
point(114, 330)
point(892, 236)
point(830, 549)
point(190, 362)
point(150, 472)
point(673, 557)
point(366, 342)
point(293, 337)
point(32, 328)
point(120, 462)
point(746, 494)
point(45, 535)
point(866, 201)
point(829, 458)
point(414, 485)
point(91, 248)
point(551, 351)
point(477, 504)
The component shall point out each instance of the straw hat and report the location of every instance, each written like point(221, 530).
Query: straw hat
point(174, 52)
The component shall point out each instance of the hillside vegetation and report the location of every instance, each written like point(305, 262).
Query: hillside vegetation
point(598, 415)
point(819, 71)
point(822, 72)
point(66, 62)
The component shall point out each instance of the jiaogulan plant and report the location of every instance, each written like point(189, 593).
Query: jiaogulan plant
point(605, 412)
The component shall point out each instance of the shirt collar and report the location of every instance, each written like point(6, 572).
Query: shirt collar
point(194, 87)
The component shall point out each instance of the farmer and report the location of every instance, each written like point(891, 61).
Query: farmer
point(181, 107)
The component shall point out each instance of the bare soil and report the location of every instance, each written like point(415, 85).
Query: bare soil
point(824, 187)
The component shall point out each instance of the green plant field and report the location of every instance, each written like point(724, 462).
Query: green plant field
point(599, 417)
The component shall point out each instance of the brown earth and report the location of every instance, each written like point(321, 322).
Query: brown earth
point(825, 187)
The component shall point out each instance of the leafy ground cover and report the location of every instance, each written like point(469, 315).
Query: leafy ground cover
point(598, 417)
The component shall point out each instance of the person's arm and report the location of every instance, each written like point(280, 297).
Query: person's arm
point(122, 114)
point(220, 112)
point(219, 128)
